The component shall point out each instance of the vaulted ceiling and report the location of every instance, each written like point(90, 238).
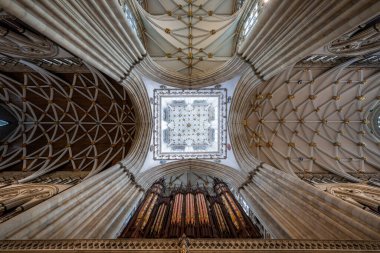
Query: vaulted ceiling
point(315, 117)
point(313, 120)
point(64, 115)
point(191, 37)
point(76, 121)
point(305, 119)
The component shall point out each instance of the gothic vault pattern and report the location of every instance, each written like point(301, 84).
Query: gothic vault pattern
point(285, 32)
point(190, 123)
point(74, 121)
point(194, 129)
point(191, 37)
point(313, 120)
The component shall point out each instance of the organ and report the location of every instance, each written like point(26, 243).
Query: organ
point(196, 211)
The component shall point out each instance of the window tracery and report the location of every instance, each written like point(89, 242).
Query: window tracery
point(18, 40)
point(131, 19)
point(250, 21)
point(15, 199)
point(364, 39)
point(363, 196)
point(373, 119)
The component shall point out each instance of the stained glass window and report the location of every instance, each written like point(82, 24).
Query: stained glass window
point(3, 123)
point(374, 119)
point(249, 23)
point(131, 20)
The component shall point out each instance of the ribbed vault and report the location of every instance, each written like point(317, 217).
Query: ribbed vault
point(269, 54)
point(191, 43)
point(312, 120)
point(190, 37)
point(66, 121)
point(322, 104)
point(69, 115)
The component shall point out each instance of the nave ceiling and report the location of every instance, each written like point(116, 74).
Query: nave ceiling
point(63, 114)
point(313, 120)
point(300, 107)
point(315, 117)
point(223, 19)
point(191, 38)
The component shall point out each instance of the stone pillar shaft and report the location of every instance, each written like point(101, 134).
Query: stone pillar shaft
point(293, 209)
point(95, 208)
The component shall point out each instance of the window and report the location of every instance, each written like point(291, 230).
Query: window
point(249, 23)
point(3, 123)
point(374, 119)
point(190, 124)
point(131, 20)
point(239, 4)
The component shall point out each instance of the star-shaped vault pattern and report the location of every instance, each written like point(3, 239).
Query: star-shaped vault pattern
point(190, 124)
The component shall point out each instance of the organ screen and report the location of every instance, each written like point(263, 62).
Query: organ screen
point(195, 211)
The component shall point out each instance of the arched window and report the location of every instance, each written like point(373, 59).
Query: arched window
point(374, 119)
point(249, 22)
point(8, 122)
point(132, 22)
point(3, 123)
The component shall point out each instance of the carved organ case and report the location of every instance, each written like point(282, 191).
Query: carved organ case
point(195, 211)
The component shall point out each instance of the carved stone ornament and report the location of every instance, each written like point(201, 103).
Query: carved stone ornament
point(15, 199)
point(362, 40)
point(203, 245)
point(364, 196)
point(26, 44)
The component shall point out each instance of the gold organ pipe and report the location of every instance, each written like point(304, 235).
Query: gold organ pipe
point(230, 212)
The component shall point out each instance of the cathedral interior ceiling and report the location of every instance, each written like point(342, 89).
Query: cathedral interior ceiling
point(190, 124)
point(65, 121)
point(316, 116)
point(313, 120)
point(67, 116)
point(76, 102)
point(191, 38)
point(197, 38)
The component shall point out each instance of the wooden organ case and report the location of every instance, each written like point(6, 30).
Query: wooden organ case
point(194, 211)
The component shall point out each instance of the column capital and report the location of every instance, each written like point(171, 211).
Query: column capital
point(128, 172)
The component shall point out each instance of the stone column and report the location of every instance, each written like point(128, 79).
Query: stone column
point(274, 44)
point(95, 208)
point(95, 31)
point(300, 27)
point(292, 209)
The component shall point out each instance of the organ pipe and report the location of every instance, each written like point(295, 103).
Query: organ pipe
point(192, 210)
